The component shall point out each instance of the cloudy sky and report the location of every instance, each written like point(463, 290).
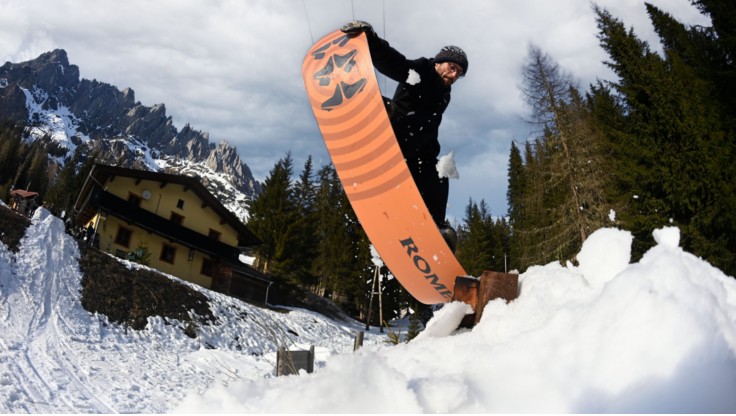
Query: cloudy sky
point(232, 67)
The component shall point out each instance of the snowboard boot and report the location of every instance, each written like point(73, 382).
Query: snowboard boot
point(450, 236)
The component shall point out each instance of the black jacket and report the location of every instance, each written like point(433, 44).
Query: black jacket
point(417, 107)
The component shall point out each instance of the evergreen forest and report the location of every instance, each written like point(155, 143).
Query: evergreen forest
point(654, 148)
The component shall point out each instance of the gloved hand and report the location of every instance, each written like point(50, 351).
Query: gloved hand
point(357, 27)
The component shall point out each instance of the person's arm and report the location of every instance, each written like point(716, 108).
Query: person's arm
point(386, 59)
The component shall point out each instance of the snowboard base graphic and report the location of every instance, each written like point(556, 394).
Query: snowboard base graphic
point(347, 103)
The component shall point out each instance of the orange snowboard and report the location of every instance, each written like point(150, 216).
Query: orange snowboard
point(343, 92)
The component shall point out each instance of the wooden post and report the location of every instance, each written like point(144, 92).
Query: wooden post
point(478, 292)
point(290, 362)
point(358, 341)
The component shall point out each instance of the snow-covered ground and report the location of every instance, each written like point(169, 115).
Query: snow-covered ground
point(55, 357)
point(658, 335)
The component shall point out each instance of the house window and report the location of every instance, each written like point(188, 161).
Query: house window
point(134, 199)
point(176, 218)
point(168, 253)
point(123, 236)
point(214, 234)
point(208, 267)
point(180, 204)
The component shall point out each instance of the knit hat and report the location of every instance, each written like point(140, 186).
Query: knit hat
point(453, 54)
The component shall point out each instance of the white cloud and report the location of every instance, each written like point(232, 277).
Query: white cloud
point(232, 68)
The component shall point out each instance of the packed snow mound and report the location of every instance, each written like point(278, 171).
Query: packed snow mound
point(445, 321)
point(605, 254)
point(658, 335)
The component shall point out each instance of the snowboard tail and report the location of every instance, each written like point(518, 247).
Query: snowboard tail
point(344, 95)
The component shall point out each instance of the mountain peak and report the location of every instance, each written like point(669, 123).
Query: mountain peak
point(99, 117)
point(56, 56)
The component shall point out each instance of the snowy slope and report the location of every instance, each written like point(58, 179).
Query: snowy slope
point(56, 357)
point(605, 336)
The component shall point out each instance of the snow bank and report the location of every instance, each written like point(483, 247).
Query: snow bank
point(607, 336)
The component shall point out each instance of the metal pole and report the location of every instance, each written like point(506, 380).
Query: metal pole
point(380, 301)
point(370, 302)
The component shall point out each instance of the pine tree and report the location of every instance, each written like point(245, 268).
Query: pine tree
point(529, 210)
point(330, 232)
point(634, 141)
point(515, 189)
point(62, 190)
point(587, 166)
point(360, 266)
point(305, 247)
point(562, 200)
point(610, 115)
point(10, 158)
point(704, 59)
point(718, 45)
point(675, 136)
point(515, 200)
point(475, 240)
point(271, 218)
point(38, 178)
point(483, 243)
point(343, 264)
point(502, 247)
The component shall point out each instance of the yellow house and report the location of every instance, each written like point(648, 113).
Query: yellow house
point(173, 220)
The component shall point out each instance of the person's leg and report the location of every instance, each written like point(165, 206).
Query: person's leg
point(434, 190)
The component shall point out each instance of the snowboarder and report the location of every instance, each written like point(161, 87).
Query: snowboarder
point(415, 111)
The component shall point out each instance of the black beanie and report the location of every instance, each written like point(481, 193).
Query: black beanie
point(453, 54)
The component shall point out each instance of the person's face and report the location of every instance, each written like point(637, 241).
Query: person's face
point(449, 72)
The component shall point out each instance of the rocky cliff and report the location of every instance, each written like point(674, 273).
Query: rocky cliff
point(87, 116)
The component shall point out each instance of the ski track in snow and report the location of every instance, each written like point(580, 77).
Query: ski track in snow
point(55, 357)
point(47, 286)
